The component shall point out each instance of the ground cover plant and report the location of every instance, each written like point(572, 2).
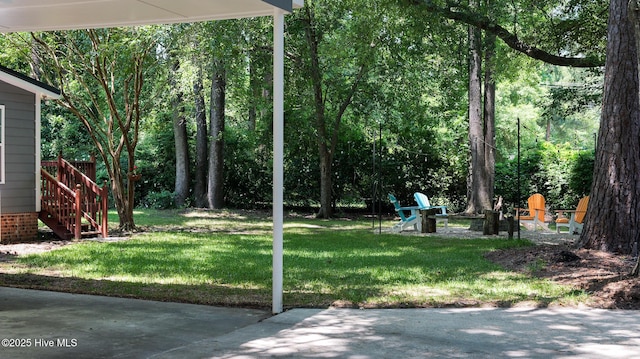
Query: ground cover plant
point(224, 258)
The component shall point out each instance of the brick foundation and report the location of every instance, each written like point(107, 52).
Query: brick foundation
point(18, 227)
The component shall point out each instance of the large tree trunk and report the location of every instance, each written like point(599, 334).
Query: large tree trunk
point(634, 14)
point(614, 212)
point(477, 197)
point(480, 180)
point(181, 144)
point(216, 155)
point(489, 121)
point(202, 146)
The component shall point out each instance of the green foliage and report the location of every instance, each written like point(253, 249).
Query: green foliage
point(582, 173)
point(405, 129)
point(64, 134)
point(572, 105)
point(326, 262)
point(159, 200)
point(248, 169)
point(560, 174)
point(155, 157)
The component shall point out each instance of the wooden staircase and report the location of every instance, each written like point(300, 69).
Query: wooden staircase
point(73, 205)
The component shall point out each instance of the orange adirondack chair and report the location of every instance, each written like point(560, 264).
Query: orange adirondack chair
point(576, 218)
point(535, 213)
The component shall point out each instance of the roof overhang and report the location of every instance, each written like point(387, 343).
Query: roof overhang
point(46, 15)
point(28, 84)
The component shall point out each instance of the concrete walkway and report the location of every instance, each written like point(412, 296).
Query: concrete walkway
point(58, 325)
point(40, 324)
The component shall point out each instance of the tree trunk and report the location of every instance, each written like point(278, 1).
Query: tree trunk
point(634, 14)
point(180, 141)
point(260, 81)
point(117, 186)
point(126, 218)
point(254, 89)
point(476, 187)
point(216, 150)
point(117, 128)
point(35, 61)
point(327, 127)
point(122, 187)
point(202, 145)
point(614, 213)
point(481, 177)
point(323, 139)
point(547, 134)
point(326, 183)
point(489, 122)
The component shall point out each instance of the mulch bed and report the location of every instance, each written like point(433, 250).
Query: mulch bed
point(604, 275)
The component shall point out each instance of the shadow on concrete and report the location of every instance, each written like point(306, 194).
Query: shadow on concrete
point(40, 324)
point(425, 333)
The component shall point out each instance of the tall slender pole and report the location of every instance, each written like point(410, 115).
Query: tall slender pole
point(518, 194)
point(380, 177)
point(374, 186)
point(278, 158)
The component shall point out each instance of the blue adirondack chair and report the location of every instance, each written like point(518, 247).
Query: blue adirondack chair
point(413, 219)
point(423, 203)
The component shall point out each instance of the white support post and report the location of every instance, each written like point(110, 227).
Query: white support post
point(278, 157)
point(38, 139)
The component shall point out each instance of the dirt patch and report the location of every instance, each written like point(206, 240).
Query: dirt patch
point(603, 275)
point(8, 252)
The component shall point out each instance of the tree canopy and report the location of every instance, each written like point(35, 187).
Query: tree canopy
point(376, 102)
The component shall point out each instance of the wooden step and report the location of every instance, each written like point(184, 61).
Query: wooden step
point(58, 229)
point(91, 234)
point(52, 189)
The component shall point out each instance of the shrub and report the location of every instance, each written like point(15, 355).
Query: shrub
point(582, 173)
point(560, 174)
point(159, 200)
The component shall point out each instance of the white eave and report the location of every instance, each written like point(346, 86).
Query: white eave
point(39, 15)
point(28, 84)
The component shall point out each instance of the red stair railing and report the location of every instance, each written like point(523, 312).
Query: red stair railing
point(70, 197)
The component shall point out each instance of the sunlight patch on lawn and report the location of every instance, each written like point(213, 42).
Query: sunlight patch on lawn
point(209, 256)
point(420, 292)
point(302, 225)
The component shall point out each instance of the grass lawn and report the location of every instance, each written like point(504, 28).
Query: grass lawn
point(224, 258)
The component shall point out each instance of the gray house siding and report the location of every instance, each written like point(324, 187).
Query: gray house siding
point(19, 191)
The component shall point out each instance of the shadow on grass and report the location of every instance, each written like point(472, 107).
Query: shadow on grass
point(193, 294)
point(340, 268)
point(236, 297)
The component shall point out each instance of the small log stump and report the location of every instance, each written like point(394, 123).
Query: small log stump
point(511, 226)
point(428, 217)
point(491, 223)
